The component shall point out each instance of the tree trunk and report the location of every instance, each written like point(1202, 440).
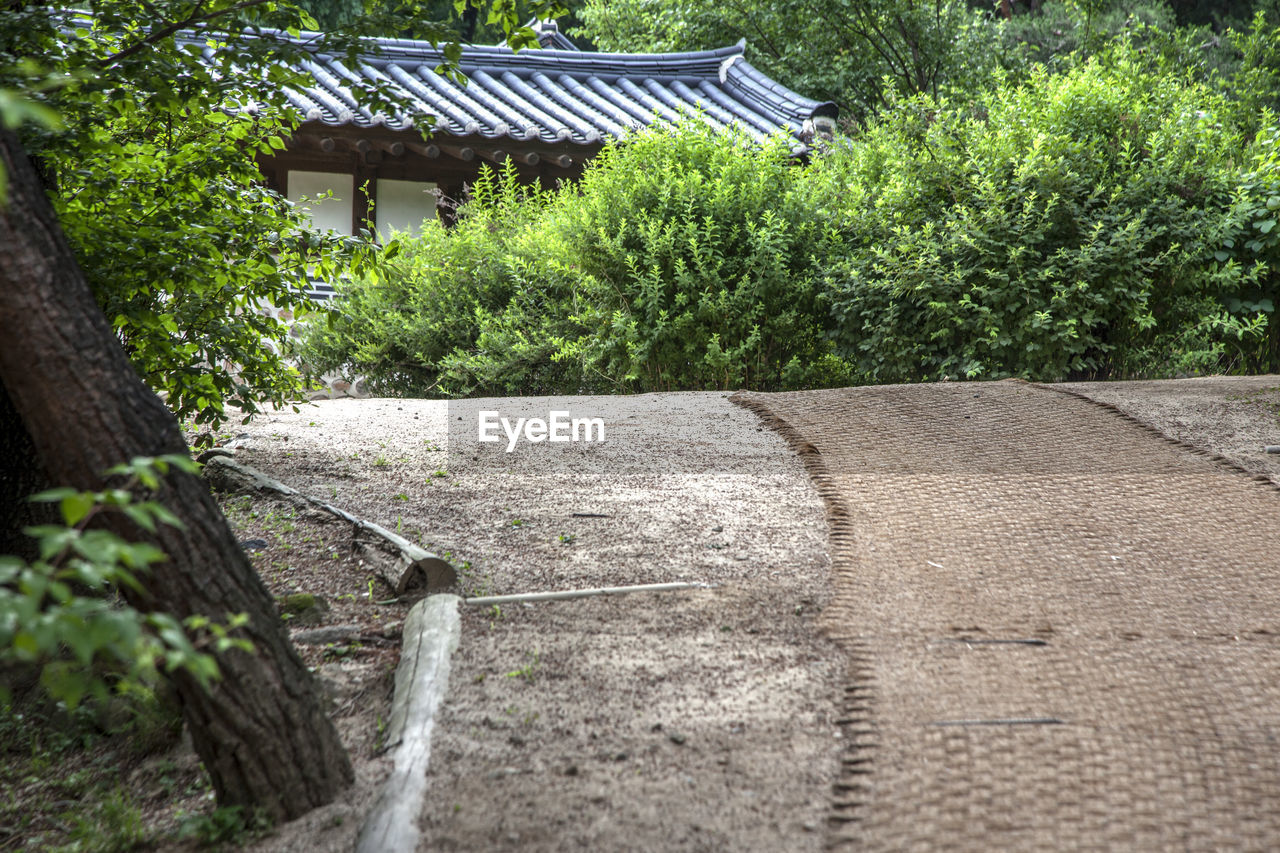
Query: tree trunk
point(19, 478)
point(261, 731)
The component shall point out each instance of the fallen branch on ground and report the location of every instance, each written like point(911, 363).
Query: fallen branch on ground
point(487, 600)
point(416, 569)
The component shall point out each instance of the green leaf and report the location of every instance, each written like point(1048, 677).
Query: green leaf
point(182, 462)
point(16, 109)
point(26, 646)
point(65, 682)
point(141, 516)
point(53, 539)
point(10, 568)
point(141, 554)
point(52, 495)
point(76, 506)
point(164, 516)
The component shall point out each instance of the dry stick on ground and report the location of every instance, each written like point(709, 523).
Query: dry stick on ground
point(416, 568)
point(563, 595)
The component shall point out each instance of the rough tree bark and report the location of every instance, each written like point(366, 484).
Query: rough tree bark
point(261, 732)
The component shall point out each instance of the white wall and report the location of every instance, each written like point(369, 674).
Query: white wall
point(402, 206)
point(331, 214)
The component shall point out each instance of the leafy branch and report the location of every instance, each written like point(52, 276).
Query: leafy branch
point(60, 611)
point(159, 34)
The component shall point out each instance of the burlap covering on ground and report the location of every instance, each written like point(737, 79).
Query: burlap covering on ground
point(1063, 629)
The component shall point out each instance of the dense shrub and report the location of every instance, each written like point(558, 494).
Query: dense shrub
point(1110, 220)
point(1069, 228)
point(1255, 81)
point(692, 250)
point(678, 262)
point(1247, 315)
point(471, 310)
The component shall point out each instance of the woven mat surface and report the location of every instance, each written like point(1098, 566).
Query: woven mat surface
point(1063, 629)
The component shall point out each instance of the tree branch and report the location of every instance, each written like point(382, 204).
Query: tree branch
point(753, 19)
point(173, 27)
point(873, 35)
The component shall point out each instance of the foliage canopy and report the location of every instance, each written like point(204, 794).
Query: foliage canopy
point(148, 146)
point(1090, 166)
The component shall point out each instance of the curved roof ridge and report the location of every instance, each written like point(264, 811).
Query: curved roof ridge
point(610, 64)
point(556, 95)
point(756, 87)
point(403, 49)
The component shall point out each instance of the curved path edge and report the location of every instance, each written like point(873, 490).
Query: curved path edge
point(1062, 625)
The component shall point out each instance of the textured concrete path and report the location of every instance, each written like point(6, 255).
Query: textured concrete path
point(1063, 629)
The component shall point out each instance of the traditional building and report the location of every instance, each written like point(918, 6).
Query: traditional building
point(548, 110)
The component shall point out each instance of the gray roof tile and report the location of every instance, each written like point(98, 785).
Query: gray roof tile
point(552, 94)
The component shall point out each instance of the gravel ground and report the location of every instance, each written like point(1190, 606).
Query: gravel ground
point(691, 720)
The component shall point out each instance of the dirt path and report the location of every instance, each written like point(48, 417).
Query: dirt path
point(700, 720)
point(1135, 707)
point(1062, 629)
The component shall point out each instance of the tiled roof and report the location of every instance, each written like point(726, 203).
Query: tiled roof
point(553, 95)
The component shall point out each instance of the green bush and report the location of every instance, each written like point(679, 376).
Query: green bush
point(1251, 248)
point(693, 254)
point(455, 311)
point(1068, 228)
point(470, 310)
point(1111, 220)
point(1255, 82)
point(679, 262)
